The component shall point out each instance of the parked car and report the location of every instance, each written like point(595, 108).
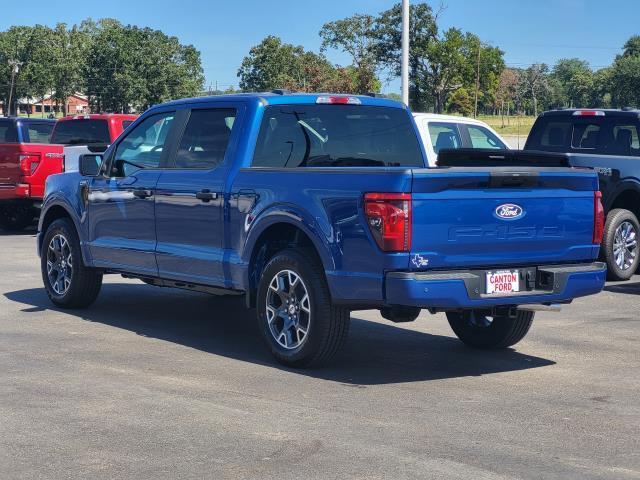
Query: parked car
point(609, 142)
point(315, 205)
point(440, 132)
point(26, 160)
point(32, 149)
point(88, 134)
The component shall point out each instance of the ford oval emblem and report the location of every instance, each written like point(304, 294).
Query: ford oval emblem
point(509, 211)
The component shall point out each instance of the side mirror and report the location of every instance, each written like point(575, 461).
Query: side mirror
point(90, 164)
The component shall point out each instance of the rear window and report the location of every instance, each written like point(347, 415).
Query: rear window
point(38, 132)
point(605, 136)
point(81, 132)
point(336, 136)
point(8, 132)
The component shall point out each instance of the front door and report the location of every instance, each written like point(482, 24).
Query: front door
point(121, 204)
point(190, 199)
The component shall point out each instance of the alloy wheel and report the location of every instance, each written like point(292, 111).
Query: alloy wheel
point(625, 245)
point(288, 309)
point(59, 264)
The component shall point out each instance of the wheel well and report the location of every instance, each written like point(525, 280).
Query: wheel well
point(53, 214)
point(275, 238)
point(629, 200)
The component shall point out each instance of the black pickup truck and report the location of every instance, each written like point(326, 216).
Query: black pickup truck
point(609, 142)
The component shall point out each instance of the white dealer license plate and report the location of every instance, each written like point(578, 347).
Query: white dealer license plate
point(503, 281)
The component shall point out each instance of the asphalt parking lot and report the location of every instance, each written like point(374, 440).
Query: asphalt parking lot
point(156, 383)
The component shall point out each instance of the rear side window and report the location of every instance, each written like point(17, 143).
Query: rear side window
point(126, 123)
point(8, 132)
point(625, 140)
point(38, 132)
point(80, 132)
point(336, 136)
point(206, 138)
point(444, 135)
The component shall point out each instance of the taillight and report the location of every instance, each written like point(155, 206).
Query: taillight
point(28, 163)
point(598, 218)
point(338, 100)
point(389, 219)
point(588, 113)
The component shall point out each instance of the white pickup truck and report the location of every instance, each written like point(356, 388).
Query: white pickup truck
point(439, 132)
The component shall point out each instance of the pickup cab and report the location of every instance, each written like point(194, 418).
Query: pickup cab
point(32, 149)
point(314, 205)
point(442, 132)
point(26, 159)
point(609, 142)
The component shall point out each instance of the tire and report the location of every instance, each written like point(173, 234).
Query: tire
point(14, 218)
point(622, 262)
point(69, 284)
point(320, 328)
point(481, 331)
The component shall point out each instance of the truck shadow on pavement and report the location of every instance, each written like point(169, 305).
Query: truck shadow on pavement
point(375, 353)
point(628, 288)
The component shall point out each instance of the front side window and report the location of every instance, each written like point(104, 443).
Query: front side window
point(206, 138)
point(336, 136)
point(444, 136)
point(39, 132)
point(483, 138)
point(81, 132)
point(142, 147)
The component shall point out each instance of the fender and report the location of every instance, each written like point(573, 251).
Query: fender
point(292, 215)
point(630, 184)
point(77, 215)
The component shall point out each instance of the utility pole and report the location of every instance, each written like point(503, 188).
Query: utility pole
point(405, 52)
point(475, 109)
point(15, 68)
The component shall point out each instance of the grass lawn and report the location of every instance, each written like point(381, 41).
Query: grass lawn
point(513, 125)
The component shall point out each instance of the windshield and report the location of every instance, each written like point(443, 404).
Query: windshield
point(81, 132)
point(337, 136)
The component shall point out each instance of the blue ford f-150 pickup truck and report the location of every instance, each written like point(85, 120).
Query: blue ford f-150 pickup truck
point(316, 205)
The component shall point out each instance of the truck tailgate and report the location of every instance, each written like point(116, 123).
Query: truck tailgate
point(499, 216)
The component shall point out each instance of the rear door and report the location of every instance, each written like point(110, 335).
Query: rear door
point(486, 217)
point(190, 198)
point(121, 205)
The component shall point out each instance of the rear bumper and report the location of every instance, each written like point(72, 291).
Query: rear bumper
point(464, 288)
point(15, 191)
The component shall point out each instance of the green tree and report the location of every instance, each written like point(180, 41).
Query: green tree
point(461, 101)
point(632, 47)
point(355, 36)
point(574, 82)
point(423, 35)
point(273, 64)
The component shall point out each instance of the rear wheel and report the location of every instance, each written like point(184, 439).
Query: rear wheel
point(479, 330)
point(620, 244)
point(16, 217)
point(69, 284)
point(295, 315)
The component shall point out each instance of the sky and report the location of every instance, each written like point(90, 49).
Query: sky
point(528, 31)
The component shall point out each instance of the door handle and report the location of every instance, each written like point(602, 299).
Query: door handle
point(206, 195)
point(142, 193)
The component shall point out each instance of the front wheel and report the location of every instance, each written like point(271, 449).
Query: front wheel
point(295, 315)
point(478, 330)
point(16, 217)
point(620, 244)
point(69, 284)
